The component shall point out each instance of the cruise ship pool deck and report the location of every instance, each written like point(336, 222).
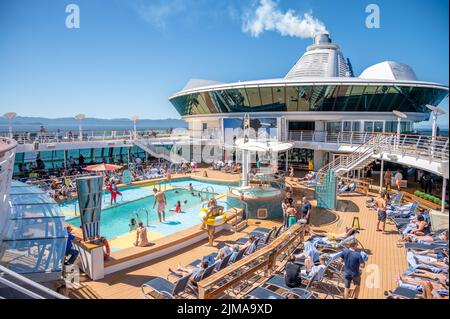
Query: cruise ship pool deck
point(386, 260)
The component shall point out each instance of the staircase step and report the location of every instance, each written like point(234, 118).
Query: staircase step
point(239, 226)
point(234, 221)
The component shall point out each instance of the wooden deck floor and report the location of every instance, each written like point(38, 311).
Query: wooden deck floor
point(385, 259)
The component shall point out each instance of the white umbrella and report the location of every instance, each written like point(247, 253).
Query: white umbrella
point(10, 116)
point(134, 118)
point(80, 117)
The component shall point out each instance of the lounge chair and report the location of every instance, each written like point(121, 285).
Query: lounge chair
point(240, 255)
point(263, 293)
point(224, 263)
point(405, 293)
point(264, 236)
point(280, 283)
point(418, 246)
point(302, 293)
point(165, 288)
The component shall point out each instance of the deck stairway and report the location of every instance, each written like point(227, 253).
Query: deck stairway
point(158, 151)
point(237, 223)
point(359, 158)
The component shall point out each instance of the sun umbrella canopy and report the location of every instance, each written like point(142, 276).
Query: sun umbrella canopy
point(264, 146)
point(102, 167)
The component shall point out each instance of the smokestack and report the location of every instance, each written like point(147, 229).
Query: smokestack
point(322, 38)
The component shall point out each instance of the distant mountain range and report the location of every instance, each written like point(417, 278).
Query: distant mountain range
point(66, 123)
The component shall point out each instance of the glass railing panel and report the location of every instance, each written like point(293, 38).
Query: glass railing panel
point(33, 256)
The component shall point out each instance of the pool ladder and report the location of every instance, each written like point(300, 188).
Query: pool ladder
point(209, 190)
point(138, 217)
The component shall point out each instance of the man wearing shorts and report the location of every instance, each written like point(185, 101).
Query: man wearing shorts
point(160, 198)
point(353, 260)
point(381, 211)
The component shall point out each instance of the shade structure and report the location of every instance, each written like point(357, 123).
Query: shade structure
point(102, 167)
point(263, 146)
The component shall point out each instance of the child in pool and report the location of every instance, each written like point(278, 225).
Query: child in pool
point(177, 208)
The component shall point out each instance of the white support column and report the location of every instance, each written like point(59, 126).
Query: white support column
point(381, 173)
point(245, 167)
point(287, 161)
point(444, 186)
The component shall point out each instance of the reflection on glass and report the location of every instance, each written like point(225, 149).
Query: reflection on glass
point(368, 127)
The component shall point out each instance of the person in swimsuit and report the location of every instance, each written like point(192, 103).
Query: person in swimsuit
point(381, 210)
point(114, 191)
point(292, 215)
point(177, 208)
point(160, 198)
point(141, 236)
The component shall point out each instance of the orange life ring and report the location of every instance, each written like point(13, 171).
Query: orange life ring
point(107, 251)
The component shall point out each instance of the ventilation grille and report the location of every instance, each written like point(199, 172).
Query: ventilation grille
point(310, 65)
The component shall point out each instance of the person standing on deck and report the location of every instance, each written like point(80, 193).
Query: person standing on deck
point(387, 179)
point(160, 198)
point(306, 211)
point(284, 207)
point(289, 195)
point(291, 171)
point(353, 261)
point(292, 215)
point(398, 179)
point(381, 211)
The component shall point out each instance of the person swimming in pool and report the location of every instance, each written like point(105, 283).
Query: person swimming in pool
point(177, 208)
point(191, 189)
point(133, 224)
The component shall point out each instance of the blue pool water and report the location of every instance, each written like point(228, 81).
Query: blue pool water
point(115, 220)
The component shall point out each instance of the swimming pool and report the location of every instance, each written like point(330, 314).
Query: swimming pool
point(137, 202)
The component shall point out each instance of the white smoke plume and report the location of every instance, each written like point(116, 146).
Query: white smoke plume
point(268, 17)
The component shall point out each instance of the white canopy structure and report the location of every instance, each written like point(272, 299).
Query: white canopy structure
point(254, 145)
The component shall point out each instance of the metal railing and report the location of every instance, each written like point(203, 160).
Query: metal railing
point(424, 146)
point(362, 153)
point(159, 151)
point(86, 135)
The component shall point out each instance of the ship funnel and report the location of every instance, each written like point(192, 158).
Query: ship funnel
point(322, 38)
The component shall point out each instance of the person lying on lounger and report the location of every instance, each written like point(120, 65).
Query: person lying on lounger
point(349, 231)
point(249, 245)
point(424, 287)
point(351, 187)
point(418, 227)
point(427, 239)
point(311, 269)
point(422, 262)
point(424, 274)
point(308, 177)
point(195, 272)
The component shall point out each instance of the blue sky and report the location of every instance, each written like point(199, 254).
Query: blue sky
point(127, 57)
